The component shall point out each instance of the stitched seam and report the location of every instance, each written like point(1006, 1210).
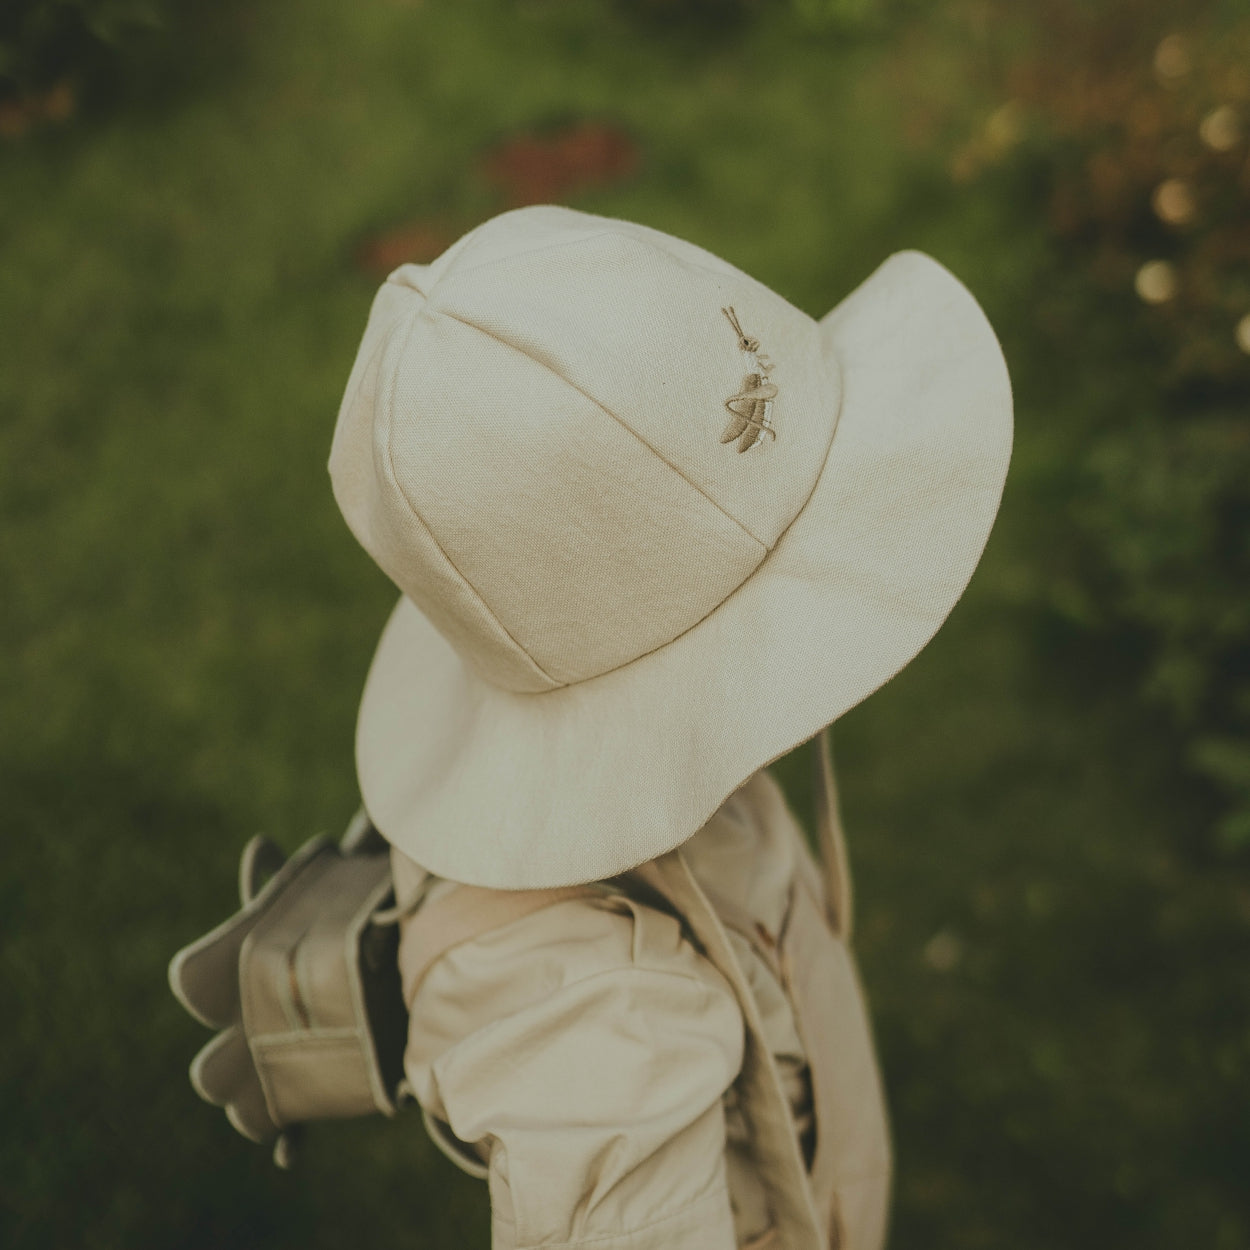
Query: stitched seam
point(375, 358)
point(390, 464)
point(411, 994)
point(719, 1189)
point(754, 572)
point(628, 971)
point(459, 269)
point(593, 898)
point(573, 386)
point(660, 646)
point(833, 433)
point(407, 287)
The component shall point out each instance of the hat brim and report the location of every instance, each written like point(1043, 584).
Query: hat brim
point(523, 791)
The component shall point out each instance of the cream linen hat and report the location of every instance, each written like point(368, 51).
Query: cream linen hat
point(653, 527)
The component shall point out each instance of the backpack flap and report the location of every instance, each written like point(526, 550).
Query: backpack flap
point(321, 1003)
point(303, 984)
point(224, 1074)
point(204, 975)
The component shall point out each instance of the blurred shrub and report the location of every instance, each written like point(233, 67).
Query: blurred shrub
point(1168, 519)
point(723, 17)
point(53, 52)
point(844, 13)
point(551, 166)
point(703, 17)
point(1133, 136)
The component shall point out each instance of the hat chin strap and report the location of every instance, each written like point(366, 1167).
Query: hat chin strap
point(839, 900)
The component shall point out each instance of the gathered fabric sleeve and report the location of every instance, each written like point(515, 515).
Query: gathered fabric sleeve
point(582, 1054)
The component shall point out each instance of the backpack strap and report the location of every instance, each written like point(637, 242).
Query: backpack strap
point(737, 919)
point(778, 1156)
point(839, 900)
point(849, 1172)
point(851, 1168)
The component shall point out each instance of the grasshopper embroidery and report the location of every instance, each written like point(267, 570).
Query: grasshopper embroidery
point(751, 409)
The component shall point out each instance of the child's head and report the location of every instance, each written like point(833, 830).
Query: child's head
point(654, 526)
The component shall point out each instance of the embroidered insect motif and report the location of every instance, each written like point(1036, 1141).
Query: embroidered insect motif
point(751, 409)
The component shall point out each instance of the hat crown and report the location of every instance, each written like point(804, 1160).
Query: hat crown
point(530, 443)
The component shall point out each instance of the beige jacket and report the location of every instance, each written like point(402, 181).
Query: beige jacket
point(582, 1058)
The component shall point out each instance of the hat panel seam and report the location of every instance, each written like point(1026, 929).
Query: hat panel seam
point(393, 279)
point(465, 264)
point(833, 433)
point(412, 508)
point(356, 385)
point(612, 227)
point(472, 325)
point(659, 646)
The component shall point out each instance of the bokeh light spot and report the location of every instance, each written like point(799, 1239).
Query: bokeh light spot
point(1156, 281)
point(1221, 129)
point(1173, 202)
point(1242, 334)
point(943, 951)
point(1172, 59)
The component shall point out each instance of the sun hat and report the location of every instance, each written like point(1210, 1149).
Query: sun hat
point(654, 527)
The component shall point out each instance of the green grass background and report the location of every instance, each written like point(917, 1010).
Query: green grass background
point(187, 624)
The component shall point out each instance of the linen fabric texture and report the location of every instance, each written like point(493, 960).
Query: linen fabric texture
point(610, 618)
point(586, 1058)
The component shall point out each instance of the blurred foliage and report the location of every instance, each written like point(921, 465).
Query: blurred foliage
point(1125, 128)
point(704, 16)
point(44, 42)
point(726, 18)
point(1061, 988)
point(563, 162)
point(57, 55)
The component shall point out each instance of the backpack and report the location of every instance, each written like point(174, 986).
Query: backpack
point(317, 1026)
point(303, 985)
